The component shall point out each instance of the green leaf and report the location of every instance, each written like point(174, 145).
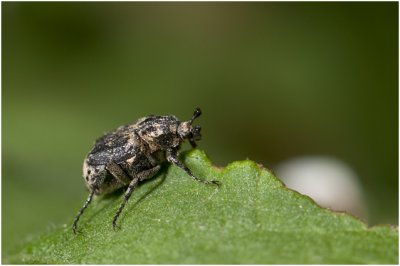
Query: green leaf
point(251, 218)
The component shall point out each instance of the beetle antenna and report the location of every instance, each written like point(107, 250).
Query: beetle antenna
point(196, 113)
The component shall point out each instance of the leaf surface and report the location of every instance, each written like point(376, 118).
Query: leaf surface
point(251, 218)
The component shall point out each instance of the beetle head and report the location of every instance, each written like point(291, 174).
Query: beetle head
point(187, 131)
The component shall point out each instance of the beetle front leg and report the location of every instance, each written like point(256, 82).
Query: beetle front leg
point(172, 157)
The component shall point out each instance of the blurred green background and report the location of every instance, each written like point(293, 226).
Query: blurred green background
point(274, 80)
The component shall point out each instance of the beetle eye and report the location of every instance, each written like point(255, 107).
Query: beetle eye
point(196, 135)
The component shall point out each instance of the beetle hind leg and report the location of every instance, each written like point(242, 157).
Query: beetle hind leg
point(94, 183)
point(88, 200)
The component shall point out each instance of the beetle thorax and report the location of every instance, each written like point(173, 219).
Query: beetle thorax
point(160, 135)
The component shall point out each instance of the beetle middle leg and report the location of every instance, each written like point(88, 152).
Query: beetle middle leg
point(118, 173)
point(133, 184)
point(172, 157)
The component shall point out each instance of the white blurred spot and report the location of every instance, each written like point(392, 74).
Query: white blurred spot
point(328, 181)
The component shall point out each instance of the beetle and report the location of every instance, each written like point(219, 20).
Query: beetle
point(133, 153)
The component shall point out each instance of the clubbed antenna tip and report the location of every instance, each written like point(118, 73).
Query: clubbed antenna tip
point(196, 113)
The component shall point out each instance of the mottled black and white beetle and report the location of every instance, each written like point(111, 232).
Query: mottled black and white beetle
point(133, 153)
